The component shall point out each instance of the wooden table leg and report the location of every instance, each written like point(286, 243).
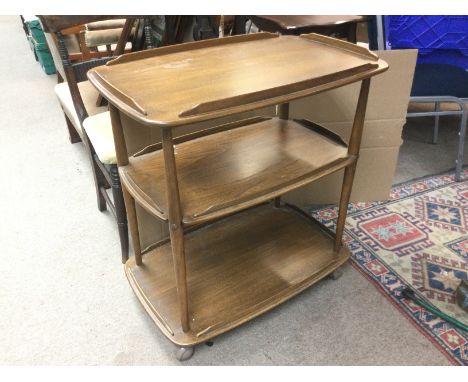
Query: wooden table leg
point(353, 149)
point(133, 224)
point(122, 160)
point(175, 226)
point(283, 113)
point(283, 110)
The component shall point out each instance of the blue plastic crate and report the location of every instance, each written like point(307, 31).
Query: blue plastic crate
point(440, 39)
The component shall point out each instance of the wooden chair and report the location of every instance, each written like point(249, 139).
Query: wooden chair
point(206, 27)
point(86, 120)
point(105, 34)
point(338, 26)
point(97, 39)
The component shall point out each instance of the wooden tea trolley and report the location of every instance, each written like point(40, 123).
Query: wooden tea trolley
point(235, 249)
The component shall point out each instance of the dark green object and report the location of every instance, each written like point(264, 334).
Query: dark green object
point(461, 295)
point(35, 31)
point(44, 57)
point(409, 294)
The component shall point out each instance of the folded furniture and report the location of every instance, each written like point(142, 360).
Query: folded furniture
point(343, 26)
point(441, 75)
point(442, 84)
point(235, 250)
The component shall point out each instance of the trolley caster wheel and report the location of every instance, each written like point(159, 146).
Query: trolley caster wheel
point(185, 353)
point(336, 274)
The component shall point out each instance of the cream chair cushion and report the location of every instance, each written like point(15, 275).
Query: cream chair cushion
point(104, 37)
point(99, 130)
point(421, 107)
point(89, 94)
point(97, 125)
point(105, 24)
point(103, 48)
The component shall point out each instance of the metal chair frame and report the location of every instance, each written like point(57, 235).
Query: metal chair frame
point(437, 113)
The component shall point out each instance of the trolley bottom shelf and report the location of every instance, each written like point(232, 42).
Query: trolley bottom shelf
point(237, 268)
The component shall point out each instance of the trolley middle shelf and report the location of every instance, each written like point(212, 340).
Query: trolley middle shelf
point(234, 166)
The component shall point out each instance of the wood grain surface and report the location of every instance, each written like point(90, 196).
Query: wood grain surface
point(289, 22)
point(230, 170)
point(237, 268)
point(203, 80)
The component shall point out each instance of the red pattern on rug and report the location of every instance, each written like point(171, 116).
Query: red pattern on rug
point(417, 238)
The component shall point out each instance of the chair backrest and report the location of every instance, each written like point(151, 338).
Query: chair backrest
point(100, 33)
point(75, 72)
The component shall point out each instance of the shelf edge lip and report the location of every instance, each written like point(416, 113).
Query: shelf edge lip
point(341, 45)
point(285, 295)
point(111, 92)
point(207, 132)
point(137, 193)
point(137, 113)
point(307, 123)
point(161, 322)
point(188, 46)
point(241, 100)
point(200, 218)
point(332, 167)
point(228, 208)
point(216, 330)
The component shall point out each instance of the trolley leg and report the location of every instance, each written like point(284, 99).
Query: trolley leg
point(461, 146)
point(175, 226)
point(283, 110)
point(277, 202)
point(435, 132)
point(353, 150)
point(344, 200)
point(133, 224)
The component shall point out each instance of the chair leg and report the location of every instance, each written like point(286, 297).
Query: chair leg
point(352, 33)
point(72, 133)
point(120, 213)
point(461, 146)
point(100, 182)
point(132, 218)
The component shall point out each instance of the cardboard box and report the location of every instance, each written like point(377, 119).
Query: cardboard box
point(369, 184)
point(388, 96)
point(386, 114)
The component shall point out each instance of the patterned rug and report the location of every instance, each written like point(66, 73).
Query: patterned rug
point(418, 238)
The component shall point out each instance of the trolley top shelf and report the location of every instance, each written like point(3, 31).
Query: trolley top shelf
point(208, 79)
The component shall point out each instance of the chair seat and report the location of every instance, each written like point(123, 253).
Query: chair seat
point(420, 107)
point(105, 24)
point(89, 94)
point(103, 37)
point(99, 130)
point(103, 48)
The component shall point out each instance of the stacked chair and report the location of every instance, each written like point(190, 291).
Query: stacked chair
point(445, 86)
point(87, 119)
point(100, 38)
point(441, 76)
